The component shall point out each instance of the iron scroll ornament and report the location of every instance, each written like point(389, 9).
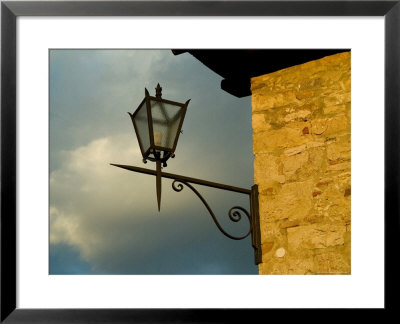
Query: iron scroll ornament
point(234, 216)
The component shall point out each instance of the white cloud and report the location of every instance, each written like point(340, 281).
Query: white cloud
point(89, 197)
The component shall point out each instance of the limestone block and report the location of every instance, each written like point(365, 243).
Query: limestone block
point(271, 209)
point(268, 189)
point(334, 211)
point(294, 162)
point(303, 147)
point(304, 95)
point(315, 236)
point(304, 165)
point(330, 126)
point(258, 103)
point(267, 170)
point(272, 267)
point(347, 83)
point(272, 233)
point(290, 223)
point(334, 201)
point(267, 100)
point(284, 116)
point(337, 125)
point(294, 201)
point(340, 149)
point(295, 150)
point(339, 212)
point(297, 115)
point(259, 123)
point(331, 263)
point(289, 136)
point(309, 84)
point(319, 126)
point(324, 182)
point(267, 247)
point(289, 264)
point(258, 84)
point(313, 218)
point(339, 166)
point(335, 109)
point(300, 264)
point(337, 98)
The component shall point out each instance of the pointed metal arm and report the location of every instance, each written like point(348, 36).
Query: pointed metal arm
point(235, 216)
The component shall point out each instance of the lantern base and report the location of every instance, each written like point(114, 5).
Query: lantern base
point(157, 157)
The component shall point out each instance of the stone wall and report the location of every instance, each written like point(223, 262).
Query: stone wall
point(302, 145)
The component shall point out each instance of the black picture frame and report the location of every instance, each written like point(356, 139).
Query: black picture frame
point(11, 10)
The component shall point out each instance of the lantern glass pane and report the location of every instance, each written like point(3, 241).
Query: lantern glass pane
point(142, 126)
point(166, 120)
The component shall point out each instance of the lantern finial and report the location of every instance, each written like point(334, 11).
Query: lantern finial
point(158, 91)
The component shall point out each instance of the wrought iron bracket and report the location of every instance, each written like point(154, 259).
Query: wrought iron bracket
point(235, 213)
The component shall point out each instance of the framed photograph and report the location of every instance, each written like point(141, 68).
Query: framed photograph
point(163, 159)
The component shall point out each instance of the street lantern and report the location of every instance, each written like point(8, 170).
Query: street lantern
point(158, 124)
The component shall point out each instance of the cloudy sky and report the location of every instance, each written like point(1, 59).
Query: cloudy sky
point(104, 220)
